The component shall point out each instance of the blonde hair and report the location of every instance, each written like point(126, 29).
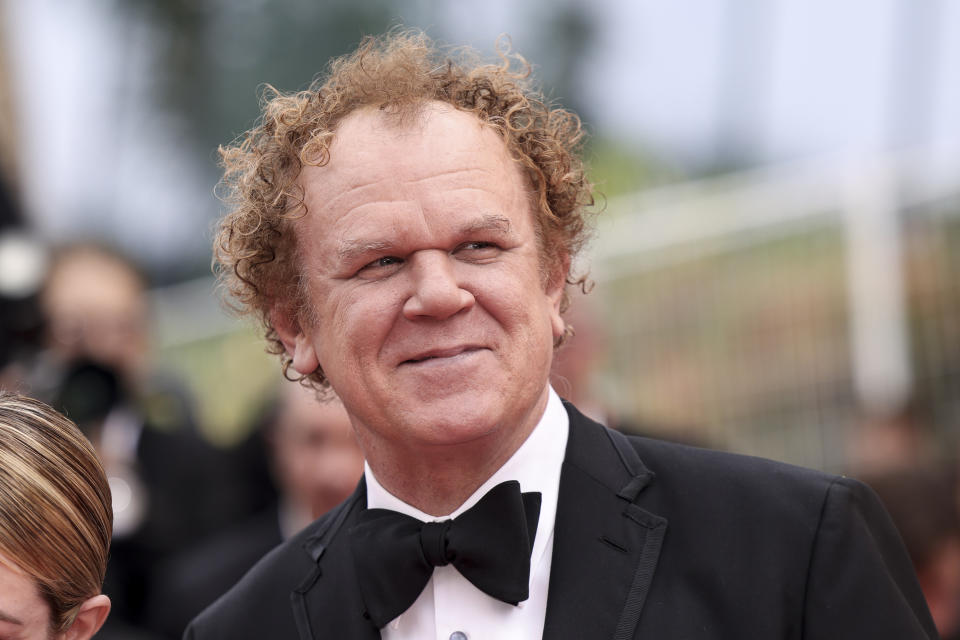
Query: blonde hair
point(55, 510)
point(255, 250)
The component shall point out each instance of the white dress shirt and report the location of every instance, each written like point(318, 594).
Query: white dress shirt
point(450, 607)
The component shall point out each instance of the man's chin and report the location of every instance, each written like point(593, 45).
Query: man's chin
point(464, 420)
point(456, 429)
point(446, 390)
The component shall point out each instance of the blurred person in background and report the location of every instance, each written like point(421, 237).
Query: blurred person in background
point(55, 523)
point(897, 440)
point(96, 368)
point(23, 264)
point(316, 464)
point(96, 307)
point(315, 456)
point(574, 366)
point(578, 364)
point(923, 503)
point(404, 230)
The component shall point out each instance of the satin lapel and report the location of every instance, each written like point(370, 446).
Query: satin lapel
point(605, 547)
point(327, 603)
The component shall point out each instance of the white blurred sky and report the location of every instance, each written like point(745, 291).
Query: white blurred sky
point(681, 78)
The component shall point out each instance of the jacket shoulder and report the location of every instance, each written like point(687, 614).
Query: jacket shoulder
point(716, 482)
point(688, 479)
point(812, 550)
point(676, 459)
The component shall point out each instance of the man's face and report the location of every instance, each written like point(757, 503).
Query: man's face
point(429, 313)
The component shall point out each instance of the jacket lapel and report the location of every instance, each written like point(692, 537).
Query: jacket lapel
point(605, 547)
point(327, 602)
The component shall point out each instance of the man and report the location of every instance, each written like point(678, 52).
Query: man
point(405, 229)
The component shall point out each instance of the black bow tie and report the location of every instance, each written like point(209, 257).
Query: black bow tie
point(490, 544)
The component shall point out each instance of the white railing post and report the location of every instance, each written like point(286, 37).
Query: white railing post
point(879, 338)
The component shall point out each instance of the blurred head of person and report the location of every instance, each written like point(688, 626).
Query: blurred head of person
point(575, 365)
point(95, 305)
point(922, 501)
point(55, 526)
point(316, 459)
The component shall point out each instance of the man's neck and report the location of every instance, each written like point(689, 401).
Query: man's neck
point(439, 478)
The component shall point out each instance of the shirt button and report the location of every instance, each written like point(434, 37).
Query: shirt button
point(458, 635)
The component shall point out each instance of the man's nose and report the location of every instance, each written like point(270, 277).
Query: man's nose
point(435, 291)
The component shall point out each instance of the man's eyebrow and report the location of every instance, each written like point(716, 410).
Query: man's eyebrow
point(488, 222)
point(350, 249)
point(6, 617)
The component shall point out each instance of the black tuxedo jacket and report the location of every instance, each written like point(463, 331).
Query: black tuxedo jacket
point(652, 540)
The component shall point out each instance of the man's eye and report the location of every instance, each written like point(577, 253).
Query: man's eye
point(477, 246)
point(385, 261)
point(379, 267)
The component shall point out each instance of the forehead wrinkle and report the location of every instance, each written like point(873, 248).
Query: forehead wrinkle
point(6, 617)
point(455, 171)
point(355, 189)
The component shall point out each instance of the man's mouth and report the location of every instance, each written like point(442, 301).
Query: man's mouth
point(435, 354)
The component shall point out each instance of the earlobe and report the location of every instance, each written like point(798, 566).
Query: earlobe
point(557, 323)
point(295, 342)
point(93, 613)
point(556, 292)
point(304, 356)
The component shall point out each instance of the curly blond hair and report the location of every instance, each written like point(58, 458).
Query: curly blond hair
point(255, 248)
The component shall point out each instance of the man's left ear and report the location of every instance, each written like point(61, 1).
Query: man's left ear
point(556, 290)
point(93, 613)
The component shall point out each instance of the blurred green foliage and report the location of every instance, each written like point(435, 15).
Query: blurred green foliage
point(230, 375)
point(617, 169)
point(214, 57)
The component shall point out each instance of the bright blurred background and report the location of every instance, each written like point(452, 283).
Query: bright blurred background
point(777, 262)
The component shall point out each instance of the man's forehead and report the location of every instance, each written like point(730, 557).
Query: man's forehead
point(370, 151)
point(360, 139)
